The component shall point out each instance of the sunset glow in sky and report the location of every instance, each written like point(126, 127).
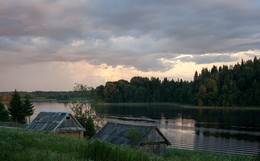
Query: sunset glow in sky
point(53, 44)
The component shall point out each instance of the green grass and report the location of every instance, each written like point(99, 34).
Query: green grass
point(19, 145)
point(12, 124)
point(22, 145)
point(183, 155)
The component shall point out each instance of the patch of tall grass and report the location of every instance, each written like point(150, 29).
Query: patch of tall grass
point(19, 145)
point(23, 145)
point(181, 155)
point(12, 124)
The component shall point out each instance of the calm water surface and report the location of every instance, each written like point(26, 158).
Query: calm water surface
point(223, 131)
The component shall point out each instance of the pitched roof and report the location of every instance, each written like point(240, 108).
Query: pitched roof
point(50, 121)
point(116, 134)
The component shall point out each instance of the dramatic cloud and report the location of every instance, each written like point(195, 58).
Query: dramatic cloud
point(147, 35)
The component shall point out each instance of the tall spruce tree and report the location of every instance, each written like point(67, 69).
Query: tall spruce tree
point(16, 109)
point(28, 107)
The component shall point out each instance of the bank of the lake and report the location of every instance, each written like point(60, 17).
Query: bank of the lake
point(69, 100)
point(42, 99)
point(31, 145)
point(179, 105)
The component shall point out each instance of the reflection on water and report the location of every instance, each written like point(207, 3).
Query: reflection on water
point(49, 106)
point(224, 131)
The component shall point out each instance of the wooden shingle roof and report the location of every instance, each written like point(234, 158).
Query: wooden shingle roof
point(116, 134)
point(51, 121)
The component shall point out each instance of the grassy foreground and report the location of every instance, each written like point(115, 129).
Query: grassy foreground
point(183, 155)
point(22, 145)
point(12, 124)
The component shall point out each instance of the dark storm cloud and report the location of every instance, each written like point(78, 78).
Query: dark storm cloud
point(145, 30)
point(193, 27)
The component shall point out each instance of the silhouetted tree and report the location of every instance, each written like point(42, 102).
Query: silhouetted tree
point(28, 107)
point(16, 109)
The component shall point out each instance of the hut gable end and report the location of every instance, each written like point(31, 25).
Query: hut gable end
point(154, 136)
point(68, 123)
point(117, 134)
point(147, 138)
point(55, 121)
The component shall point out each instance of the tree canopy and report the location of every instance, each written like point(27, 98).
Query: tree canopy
point(16, 108)
point(19, 109)
point(238, 84)
point(83, 111)
point(28, 107)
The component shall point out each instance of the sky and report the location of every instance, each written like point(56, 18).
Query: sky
point(50, 45)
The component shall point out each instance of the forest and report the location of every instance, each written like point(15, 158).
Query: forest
point(235, 85)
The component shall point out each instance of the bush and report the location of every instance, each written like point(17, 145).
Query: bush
point(3, 113)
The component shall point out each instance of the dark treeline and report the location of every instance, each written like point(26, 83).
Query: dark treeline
point(219, 86)
point(59, 95)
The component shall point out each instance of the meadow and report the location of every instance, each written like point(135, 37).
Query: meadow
point(25, 145)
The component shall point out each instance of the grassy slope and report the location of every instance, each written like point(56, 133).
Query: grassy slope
point(12, 124)
point(19, 145)
point(184, 155)
point(28, 145)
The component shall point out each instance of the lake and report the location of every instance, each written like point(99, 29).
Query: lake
point(210, 130)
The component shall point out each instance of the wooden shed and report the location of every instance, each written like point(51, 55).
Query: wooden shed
point(61, 122)
point(147, 138)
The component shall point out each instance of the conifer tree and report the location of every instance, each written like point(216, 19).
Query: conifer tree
point(16, 109)
point(28, 107)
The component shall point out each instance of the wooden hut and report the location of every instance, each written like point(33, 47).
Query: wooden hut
point(60, 122)
point(147, 138)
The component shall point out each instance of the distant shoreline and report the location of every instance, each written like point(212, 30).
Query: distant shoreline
point(180, 105)
point(56, 100)
point(151, 104)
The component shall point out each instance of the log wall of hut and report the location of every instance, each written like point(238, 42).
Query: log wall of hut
point(158, 149)
point(77, 134)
